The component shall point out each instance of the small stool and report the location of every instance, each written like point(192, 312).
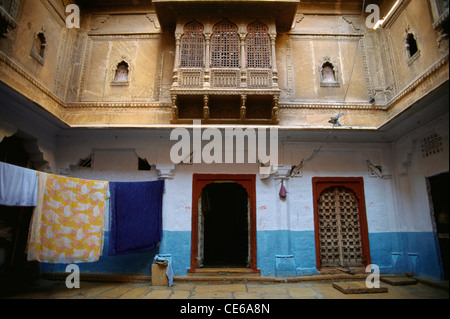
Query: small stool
point(159, 277)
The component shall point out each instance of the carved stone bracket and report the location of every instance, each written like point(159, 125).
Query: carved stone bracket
point(174, 107)
point(165, 171)
point(243, 109)
point(275, 108)
point(206, 107)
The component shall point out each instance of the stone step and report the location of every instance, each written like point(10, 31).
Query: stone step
point(357, 287)
point(398, 280)
point(224, 272)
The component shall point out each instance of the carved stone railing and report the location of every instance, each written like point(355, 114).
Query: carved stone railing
point(225, 78)
point(259, 79)
point(191, 78)
point(229, 78)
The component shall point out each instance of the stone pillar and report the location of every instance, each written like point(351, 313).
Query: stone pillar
point(243, 61)
point(273, 38)
point(207, 74)
point(177, 60)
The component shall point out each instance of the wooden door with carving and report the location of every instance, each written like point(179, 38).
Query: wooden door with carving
point(341, 226)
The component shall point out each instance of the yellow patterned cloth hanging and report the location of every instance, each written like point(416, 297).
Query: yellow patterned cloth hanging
point(68, 221)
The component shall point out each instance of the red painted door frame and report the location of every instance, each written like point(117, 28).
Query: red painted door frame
point(198, 183)
point(356, 185)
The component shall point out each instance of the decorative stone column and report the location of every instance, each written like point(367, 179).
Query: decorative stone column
point(243, 60)
point(175, 77)
point(273, 37)
point(207, 74)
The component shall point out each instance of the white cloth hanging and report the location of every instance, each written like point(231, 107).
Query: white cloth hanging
point(18, 185)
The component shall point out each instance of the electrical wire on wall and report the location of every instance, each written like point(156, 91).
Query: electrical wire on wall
point(334, 120)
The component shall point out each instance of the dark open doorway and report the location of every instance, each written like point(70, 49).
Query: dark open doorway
point(225, 217)
point(439, 190)
point(225, 235)
point(14, 226)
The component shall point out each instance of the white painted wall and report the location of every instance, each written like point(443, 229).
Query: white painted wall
point(116, 156)
point(412, 207)
point(396, 202)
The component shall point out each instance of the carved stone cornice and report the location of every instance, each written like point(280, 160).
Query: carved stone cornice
point(124, 105)
point(435, 75)
point(33, 81)
point(329, 105)
point(425, 76)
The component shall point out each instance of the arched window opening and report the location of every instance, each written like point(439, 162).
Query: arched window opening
point(192, 46)
point(225, 45)
point(258, 46)
point(411, 45)
point(39, 44)
point(38, 48)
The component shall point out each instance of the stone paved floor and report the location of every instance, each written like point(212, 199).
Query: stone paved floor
point(46, 289)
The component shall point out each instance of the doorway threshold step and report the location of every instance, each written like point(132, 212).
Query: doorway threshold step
point(212, 272)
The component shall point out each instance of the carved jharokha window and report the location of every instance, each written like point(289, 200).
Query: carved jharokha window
point(225, 45)
point(192, 46)
point(225, 76)
point(258, 46)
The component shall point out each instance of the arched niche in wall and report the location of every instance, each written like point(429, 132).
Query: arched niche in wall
point(121, 73)
point(328, 73)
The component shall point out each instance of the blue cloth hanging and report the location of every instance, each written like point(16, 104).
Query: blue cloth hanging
point(135, 216)
point(169, 270)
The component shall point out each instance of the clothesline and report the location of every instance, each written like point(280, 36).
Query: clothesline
point(68, 219)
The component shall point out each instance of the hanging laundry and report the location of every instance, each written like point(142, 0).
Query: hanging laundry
point(68, 221)
point(165, 261)
point(35, 227)
point(283, 191)
point(135, 216)
point(18, 185)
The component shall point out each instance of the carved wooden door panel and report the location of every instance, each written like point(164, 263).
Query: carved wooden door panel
point(339, 228)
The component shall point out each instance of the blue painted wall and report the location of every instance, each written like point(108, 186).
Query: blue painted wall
point(132, 264)
point(401, 252)
point(299, 244)
point(280, 253)
point(177, 244)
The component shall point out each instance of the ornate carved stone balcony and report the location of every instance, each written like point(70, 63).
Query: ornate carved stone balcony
point(228, 96)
